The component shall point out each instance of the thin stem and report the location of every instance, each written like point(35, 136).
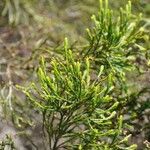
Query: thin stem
point(57, 137)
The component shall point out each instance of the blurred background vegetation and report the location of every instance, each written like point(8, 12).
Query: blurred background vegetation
point(29, 29)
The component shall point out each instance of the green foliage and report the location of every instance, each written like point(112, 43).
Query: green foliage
point(73, 106)
point(112, 39)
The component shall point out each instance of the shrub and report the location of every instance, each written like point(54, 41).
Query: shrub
point(81, 98)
